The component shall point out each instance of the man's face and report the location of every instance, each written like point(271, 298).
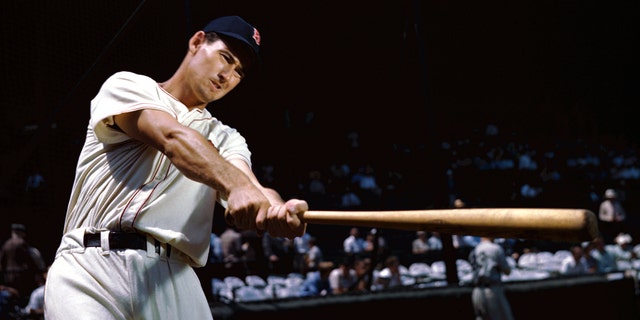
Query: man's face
point(215, 71)
point(362, 267)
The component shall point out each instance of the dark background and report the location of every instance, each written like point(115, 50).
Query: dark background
point(397, 72)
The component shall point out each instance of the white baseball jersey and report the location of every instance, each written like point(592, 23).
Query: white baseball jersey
point(123, 184)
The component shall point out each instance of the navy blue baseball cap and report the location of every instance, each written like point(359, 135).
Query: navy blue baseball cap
point(18, 227)
point(237, 28)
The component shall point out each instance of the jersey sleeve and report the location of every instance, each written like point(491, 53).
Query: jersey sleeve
point(123, 92)
point(230, 143)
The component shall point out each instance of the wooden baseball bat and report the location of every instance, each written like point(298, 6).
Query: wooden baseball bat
point(570, 225)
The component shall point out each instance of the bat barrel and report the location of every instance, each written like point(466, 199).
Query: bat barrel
point(571, 225)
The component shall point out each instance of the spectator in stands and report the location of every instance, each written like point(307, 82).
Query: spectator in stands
point(255, 263)
point(353, 244)
point(349, 199)
point(364, 272)
point(20, 263)
point(35, 187)
point(463, 244)
point(590, 262)
point(215, 249)
point(636, 249)
point(316, 183)
point(367, 187)
point(575, 264)
point(435, 247)
point(508, 244)
point(315, 190)
point(339, 179)
point(301, 248)
point(434, 242)
point(232, 252)
point(526, 159)
point(365, 180)
point(389, 276)
point(9, 300)
point(343, 276)
point(606, 260)
point(316, 283)
point(35, 307)
point(612, 215)
point(488, 297)
point(523, 246)
point(279, 254)
point(622, 251)
point(314, 256)
point(419, 245)
point(375, 246)
point(530, 192)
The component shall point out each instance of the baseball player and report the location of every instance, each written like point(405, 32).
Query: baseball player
point(488, 297)
point(153, 165)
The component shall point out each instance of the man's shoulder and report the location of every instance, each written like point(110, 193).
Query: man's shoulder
point(129, 75)
point(126, 79)
point(129, 78)
point(128, 86)
point(15, 243)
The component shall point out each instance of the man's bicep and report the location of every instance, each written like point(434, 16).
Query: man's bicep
point(147, 125)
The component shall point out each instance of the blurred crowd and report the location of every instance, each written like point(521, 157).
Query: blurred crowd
point(367, 263)
point(488, 168)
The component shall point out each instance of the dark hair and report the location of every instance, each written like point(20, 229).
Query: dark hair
point(391, 261)
point(212, 37)
point(241, 50)
point(347, 261)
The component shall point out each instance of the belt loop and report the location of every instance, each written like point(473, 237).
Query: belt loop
point(151, 247)
point(104, 242)
point(162, 249)
point(158, 247)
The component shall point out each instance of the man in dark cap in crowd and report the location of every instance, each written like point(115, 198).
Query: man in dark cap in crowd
point(20, 263)
point(611, 215)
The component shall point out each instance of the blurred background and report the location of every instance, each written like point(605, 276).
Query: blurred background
point(420, 90)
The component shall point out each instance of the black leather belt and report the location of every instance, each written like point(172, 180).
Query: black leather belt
point(118, 240)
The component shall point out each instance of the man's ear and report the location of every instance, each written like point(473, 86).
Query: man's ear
point(196, 41)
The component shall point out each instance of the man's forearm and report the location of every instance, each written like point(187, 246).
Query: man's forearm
point(199, 160)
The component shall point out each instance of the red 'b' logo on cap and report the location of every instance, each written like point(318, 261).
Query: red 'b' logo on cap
point(256, 36)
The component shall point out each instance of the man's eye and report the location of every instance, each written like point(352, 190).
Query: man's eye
point(228, 58)
point(239, 73)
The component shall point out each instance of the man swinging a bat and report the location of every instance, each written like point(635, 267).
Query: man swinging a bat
point(153, 164)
